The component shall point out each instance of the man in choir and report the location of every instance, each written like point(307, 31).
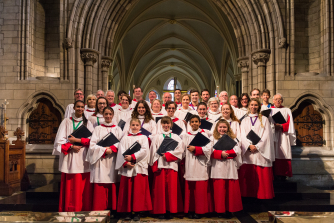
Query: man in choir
point(205, 95)
point(152, 96)
point(166, 97)
point(110, 96)
point(284, 138)
point(234, 101)
point(177, 97)
point(265, 95)
point(78, 96)
point(99, 94)
point(138, 95)
point(223, 98)
point(194, 94)
point(255, 93)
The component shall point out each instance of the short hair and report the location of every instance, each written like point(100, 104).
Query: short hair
point(158, 101)
point(134, 120)
point(152, 91)
point(177, 90)
point(279, 95)
point(255, 89)
point(213, 99)
point(195, 116)
point(185, 95)
point(202, 103)
point(194, 91)
point(120, 92)
point(128, 97)
point(137, 88)
point(166, 93)
point(169, 103)
point(89, 97)
point(223, 92)
point(110, 91)
point(166, 120)
point(78, 89)
point(108, 108)
point(100, 90)
point(240, 98)
point(205, 90)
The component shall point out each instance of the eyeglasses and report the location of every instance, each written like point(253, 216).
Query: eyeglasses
point(171, 108)
point(101, 103)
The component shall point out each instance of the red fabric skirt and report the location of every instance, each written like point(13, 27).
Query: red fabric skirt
point(134, 194)
point(166, 192)
point(105, 196)
point(256, 181)
point(282, 167)
point(226, 195)
point(197, 197)
point(76, 192)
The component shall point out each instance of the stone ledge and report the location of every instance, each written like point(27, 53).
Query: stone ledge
point(39, 148)
point(311, 152)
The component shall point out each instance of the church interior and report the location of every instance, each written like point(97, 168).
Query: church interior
point(48, 49)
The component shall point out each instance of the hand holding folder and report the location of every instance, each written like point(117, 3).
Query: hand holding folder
point(176, 129)
point(81, 132)
point(135, 147)
point(168, 144)
point(145, 132)
point(225, 143)
point(253, 137)
point(266, 112)
point(108, 140)
point(188, 116)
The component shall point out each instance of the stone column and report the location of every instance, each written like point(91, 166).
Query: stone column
point(260, 58)
point(68, 44)
point(243, 63)
point(89, 57)
point(105, 64)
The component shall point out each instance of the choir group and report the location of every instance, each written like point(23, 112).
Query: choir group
point(172, 156)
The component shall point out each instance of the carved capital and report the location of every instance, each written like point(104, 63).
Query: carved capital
point(68, 43)
point(19, 133)
point(106, 63)
point(89, 56)
point(243, 63)
point(261, 57)
point(282, 43)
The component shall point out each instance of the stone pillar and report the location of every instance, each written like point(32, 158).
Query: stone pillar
point(243, 63)
point(89, 57)
point(260, 58)
point(105, 64)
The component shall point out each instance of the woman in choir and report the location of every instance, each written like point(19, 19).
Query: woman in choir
point(102, 164)
point(124, 113)
point(166, 190)
point(224, 173)
point(91, 101)
point(203, 114)
point(182, 111)
point(255, 174)
point(197, 162)
point(134, 192)
point(97, 118)
point(243, 102)
point(229, 116)
point(157, 109)
point(76, 191)
point(213, 111)
point(171, 107)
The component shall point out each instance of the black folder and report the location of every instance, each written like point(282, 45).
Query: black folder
point(158, 118)
point(121, 124)
point(242, 118)
point(199, 140)
point(168, 144)
point(278, 118)
point(252, 136)
point(176, 129)
point(218, 118)
point(188, 116)
point(135, 147)
point(225, 143)
point(108, 140)
point(81, 132)
point(205, 124)
point(145, 132)
point(266, 112)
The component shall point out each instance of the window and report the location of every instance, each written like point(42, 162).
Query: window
point(170, 85)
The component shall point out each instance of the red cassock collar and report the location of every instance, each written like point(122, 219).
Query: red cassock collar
point(74, 120)
point(111, 126)
point(273, 106)
point(200, 132)
point(175, 120)
point(139, 134)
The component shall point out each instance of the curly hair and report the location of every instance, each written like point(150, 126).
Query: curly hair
point(230, 132)
point(232, 115)
point(148, 114)
point(258, 109)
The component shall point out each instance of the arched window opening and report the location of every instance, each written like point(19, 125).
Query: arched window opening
point(171, 85)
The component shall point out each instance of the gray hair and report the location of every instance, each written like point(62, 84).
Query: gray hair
point(278, 94)
point(213, 99)
point(223, 92)
point(100, 90)
point(110, 91)
point(78, 89)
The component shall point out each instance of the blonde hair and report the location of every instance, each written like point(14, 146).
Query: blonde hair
point(89, 97)
point(185, 95)
point(258, 110)
point(134, 120)
point(229, 132)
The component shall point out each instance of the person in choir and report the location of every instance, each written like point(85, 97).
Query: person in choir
point(223, 97)
point(177, 97)
point(119, 96)
point(102, 161)
point(134, 192)
point(152, 96)
point(171, 108)
point(91, 102)
point(213, 111)
point(166, 191)
point(229, 115)
point(265, 95)
point(234, 101)
point(194, 94)
point(138, 95)
point(110, 96)
point(256, 174)
point(78, 96)
point(205, 95)
point(202, 111)
point(224, 173)
point(143, 113)
point(124, 113)
point(243, 102)
point(157, 109)
point(284, 138)
point(166, 97)
point(74, 168)
point(197, 193)
point(99, 94)
point(182, 111)
point(255, 93)
point(97, 118)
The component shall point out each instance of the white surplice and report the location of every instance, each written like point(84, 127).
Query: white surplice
point(70, 110)
point(175, 120)
point(123, 114)
point(209, 132)
point(89, 112)
point(214, 115)
point(151, 126)
point(181, 113)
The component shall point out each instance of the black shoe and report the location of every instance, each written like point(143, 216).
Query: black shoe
point(161, 216)
point(221, 215)
point(168, 215)
point(136, 217)
point(197, 216)
point(190, 215)
point(127, 216)
point(228, 215)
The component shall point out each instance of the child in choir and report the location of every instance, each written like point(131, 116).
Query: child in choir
point(124, 113)
point(166, 191)
point(255, 174)
point(214, 111)
point(171, 107)
point(265, 95)
point(229, 116)
point(97, 118)
point(91, 101)
point(224, 173)
point(203, 114)
point(157, 109)
point(76, 191)
point(197, 162)
point(182, 111)
point(102, 164)
point(134, 193)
